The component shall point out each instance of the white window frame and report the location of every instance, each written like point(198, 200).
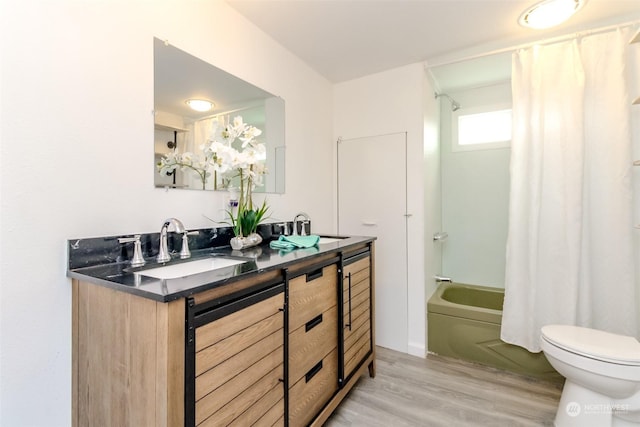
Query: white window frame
point(455, 146)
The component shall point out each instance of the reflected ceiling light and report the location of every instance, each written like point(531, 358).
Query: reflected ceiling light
point(550, 13)
point(200, 105)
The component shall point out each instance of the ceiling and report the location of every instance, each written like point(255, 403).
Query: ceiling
point(347, 39)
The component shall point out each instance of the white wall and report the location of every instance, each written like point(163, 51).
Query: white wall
point(76, 134)
point(475, 198)
point(385, 103)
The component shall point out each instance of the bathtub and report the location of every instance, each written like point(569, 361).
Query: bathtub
point(464, 322)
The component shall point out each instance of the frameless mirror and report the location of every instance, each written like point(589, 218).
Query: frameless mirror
point(178, 77)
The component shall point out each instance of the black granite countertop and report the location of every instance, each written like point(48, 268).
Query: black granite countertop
point(118, 274)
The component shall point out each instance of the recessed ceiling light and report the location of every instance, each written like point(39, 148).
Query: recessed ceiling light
point(200, 105)
point(550, 13)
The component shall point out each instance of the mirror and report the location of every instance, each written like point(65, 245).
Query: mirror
point(178, 77)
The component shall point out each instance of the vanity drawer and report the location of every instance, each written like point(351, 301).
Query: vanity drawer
point(313, 390)
point(311, 294)
point(311, 342)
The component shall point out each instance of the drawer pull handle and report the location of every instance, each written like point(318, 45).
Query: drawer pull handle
point(314, 275)
point(313, 323)
point(313, 371)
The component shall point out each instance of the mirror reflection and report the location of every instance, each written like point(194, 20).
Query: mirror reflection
point(184, 134)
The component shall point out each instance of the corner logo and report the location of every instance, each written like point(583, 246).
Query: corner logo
point(573, 409)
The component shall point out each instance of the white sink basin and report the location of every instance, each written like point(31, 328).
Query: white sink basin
point(324, 240)
point(188, 268)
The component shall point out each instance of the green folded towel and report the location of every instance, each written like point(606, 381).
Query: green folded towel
point(294, 242)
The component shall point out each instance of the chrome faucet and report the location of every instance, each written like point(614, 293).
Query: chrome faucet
point(303, 231)
point(163, 251)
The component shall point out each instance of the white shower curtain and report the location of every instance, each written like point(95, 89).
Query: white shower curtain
point(198, 135)
point(570, 244)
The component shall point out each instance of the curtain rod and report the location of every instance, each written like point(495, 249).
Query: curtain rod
point(542, 42)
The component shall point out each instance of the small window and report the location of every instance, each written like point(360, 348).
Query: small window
point(481, 128)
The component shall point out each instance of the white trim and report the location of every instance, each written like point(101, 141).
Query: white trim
point(456, 147)
point(416, 349)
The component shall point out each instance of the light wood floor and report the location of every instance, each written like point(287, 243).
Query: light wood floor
point(441, 391)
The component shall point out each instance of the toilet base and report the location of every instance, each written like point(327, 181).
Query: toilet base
point(581, 407)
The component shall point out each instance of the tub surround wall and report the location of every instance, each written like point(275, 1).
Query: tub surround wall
point(475, 197)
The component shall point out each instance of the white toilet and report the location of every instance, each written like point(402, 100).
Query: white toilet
point(602, 372)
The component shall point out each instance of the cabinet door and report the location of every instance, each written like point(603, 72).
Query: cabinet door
point(239, 363)
point(356, 306)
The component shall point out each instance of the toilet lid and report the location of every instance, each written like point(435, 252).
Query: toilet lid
point(593, 343)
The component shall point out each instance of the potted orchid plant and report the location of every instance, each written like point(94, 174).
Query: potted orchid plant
point(243, 166)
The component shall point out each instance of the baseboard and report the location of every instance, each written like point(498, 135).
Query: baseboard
point(415, 349)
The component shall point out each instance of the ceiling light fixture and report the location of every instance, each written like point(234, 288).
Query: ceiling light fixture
point(550, 13)
point(200, 105)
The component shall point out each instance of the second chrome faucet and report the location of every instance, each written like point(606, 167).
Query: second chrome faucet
point(305, 221)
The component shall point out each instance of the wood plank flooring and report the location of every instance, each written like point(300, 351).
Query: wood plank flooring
point(441, 391)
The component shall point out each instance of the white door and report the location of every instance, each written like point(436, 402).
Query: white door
point(372, 201)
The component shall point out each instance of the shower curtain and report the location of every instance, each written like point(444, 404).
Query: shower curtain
point(198, 135)
point(570, 256)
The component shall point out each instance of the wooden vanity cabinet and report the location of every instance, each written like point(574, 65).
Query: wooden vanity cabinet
point(281, 348)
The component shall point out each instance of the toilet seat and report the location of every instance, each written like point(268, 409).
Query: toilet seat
point(595, 344)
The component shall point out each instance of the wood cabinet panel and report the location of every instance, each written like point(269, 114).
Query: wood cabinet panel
point(217, 353)
point(358, 350)
point(309, 395)
point(360, 265)
point(357, 287)
point(215, 331)
point(265, 412)
point(356, 312)
point(310, 296)
point(215, 377)
point(242, 402)
point(228, 391)
point(128, 358)
point(307, 346)
point(351, 334)
point(357, 309)
point(240, 377)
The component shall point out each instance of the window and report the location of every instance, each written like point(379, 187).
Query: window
point(481, 128)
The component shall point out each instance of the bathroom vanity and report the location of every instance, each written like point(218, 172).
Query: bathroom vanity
point(278, 338)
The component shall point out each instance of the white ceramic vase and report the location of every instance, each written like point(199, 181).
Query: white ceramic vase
point(252, 239)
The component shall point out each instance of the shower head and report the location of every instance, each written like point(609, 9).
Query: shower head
point(455, 106)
